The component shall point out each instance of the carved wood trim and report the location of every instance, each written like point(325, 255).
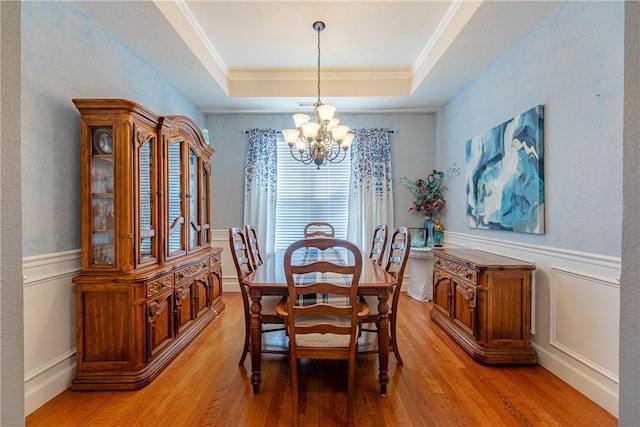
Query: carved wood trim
point(143, 135)
point(182, 293)
point(177, 132)
point(458, 270)
point(159, 285)
point(469, 293)
point(191, 270)
point(155, 309)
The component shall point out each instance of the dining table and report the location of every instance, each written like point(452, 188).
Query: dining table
point(269, 279)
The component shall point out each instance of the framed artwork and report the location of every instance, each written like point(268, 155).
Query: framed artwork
point(505, 175)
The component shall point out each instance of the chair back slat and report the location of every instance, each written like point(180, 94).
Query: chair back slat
point(378, 243)
point(240, 252)
point(400, 245)
point(254, 248)
point(319, 229)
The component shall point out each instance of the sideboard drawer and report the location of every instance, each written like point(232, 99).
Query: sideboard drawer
point(157, 286)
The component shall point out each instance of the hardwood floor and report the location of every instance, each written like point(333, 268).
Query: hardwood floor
point(439, 385)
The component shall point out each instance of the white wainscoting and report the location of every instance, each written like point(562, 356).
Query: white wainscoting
point(575, 312)
point(220, 239)
point(49, 325)
point(575, 315)
point(579, 308)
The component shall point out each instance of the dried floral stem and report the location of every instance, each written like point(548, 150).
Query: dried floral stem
point(429, 193)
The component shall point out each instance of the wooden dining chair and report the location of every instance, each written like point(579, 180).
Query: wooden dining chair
point(241, 258)
point(254, 248)
point(323, 308)
point(379, 243)
point(319, 229)
point(399, 247)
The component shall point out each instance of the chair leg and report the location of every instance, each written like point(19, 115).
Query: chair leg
point(350, 390)
point(394, 343)
point(293, 361)
point(247, 332)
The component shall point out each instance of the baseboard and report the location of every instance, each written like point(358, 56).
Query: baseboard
point(49, 381)
point(604, 396)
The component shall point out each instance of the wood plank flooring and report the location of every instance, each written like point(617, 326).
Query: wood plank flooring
point(439, 385)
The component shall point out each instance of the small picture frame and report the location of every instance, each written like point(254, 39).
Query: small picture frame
point(103, 141)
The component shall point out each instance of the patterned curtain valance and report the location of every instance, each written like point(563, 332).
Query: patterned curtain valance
point(371, 161)
point(261, 162)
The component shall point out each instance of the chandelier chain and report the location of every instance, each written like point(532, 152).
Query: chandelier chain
point(319, 64)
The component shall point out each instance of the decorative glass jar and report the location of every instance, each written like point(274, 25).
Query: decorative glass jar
point(418, 238)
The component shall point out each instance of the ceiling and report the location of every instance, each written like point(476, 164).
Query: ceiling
point(261, 56)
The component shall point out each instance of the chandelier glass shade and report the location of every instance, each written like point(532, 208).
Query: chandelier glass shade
point(323, 141)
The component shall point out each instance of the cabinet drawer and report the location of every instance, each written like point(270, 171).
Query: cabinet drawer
point(457, 270)
point(215, 260)
point(159, 285)
point(188, 272)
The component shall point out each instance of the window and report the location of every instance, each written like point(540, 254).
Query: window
point(307, 194)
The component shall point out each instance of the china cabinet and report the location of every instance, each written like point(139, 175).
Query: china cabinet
point(150, 280)
point(483, 301)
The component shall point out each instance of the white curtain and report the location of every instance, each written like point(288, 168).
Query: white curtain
point(260, 187)
point(371, 195)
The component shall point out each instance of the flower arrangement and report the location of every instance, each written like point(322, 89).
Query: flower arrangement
point(429, 193)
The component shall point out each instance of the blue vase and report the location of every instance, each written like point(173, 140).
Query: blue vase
point(428, 225)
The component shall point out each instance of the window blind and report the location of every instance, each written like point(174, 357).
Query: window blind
point(307, 194)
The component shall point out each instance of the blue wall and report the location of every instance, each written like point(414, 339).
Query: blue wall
point(572, 63)
point(66, 54)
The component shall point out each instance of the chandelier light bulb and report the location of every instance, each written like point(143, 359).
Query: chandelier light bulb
point(339, 132)
point(291, 136)
point(325, 112)
point(333, 122)
point(299, 119)
point(348, 140)
point(310, 130)
point(301, 146)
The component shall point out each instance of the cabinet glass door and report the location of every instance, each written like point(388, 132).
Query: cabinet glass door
point(147, 246)
point(204, 203)
point(194, 214)
point(102, 200)
point(176, 208)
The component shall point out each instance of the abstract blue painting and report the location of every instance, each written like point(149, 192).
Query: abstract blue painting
point(505, 175)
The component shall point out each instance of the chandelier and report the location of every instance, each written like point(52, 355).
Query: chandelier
point(321, 142)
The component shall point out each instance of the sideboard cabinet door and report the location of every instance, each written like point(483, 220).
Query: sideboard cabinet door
point(463, 306)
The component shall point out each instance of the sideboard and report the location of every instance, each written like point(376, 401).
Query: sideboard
point(483, 301)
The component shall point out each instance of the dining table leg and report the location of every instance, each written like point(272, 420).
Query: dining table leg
point(383, 339)
point(256, 339)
